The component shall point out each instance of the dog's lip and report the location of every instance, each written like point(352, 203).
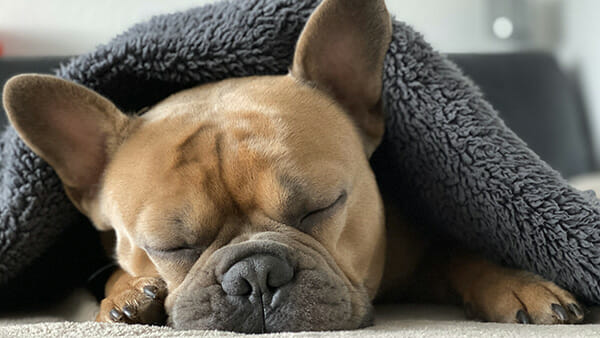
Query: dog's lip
point(276, 304)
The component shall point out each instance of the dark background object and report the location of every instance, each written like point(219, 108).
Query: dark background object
point(538, 102)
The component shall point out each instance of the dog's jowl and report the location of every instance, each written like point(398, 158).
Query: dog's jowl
point(249, 204)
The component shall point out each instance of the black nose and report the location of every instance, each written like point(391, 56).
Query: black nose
point(257, 275)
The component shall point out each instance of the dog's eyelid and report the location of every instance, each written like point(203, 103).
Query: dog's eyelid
point(325, 203)
point(174, 250)
point(322, 212)
point(179, 248)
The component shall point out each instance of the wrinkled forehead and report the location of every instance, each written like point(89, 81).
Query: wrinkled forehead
point(244, 141)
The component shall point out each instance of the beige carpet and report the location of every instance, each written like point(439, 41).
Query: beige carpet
point(72, 318)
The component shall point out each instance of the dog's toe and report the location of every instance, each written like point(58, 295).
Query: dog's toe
point(523, 298)
point(141, 303)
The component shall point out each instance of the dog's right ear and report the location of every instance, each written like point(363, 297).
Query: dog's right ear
point(71, 127)
point(341, 51)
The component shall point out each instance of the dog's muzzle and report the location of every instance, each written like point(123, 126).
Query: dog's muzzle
point(268, 286)
point(260, 279)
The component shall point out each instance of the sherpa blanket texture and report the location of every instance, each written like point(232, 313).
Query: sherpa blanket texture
point(447, 156)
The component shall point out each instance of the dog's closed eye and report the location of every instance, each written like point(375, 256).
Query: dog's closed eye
point(179, 253)
point(315, 216)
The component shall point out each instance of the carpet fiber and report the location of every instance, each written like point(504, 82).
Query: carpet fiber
point(71, 318)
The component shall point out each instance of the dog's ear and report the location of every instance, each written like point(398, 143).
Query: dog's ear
point(71, 127)
point(341, 51)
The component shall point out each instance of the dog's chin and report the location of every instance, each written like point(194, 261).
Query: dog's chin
point(318, 298)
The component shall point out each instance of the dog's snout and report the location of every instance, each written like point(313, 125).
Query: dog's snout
point(264, 285)
point(257, 275)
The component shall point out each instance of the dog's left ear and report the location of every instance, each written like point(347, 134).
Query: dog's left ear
point(71, 127)
point(341, 51)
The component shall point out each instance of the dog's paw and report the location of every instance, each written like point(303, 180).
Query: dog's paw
point(141, 303)
point(521, 297)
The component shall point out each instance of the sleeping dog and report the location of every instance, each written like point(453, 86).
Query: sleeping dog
point(249, 204)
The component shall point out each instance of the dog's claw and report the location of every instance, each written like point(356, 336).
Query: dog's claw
point(523, 317)
point(576, 310)
point(116, 315)
point(128, 311)
point(150, 291)
point(560, 312)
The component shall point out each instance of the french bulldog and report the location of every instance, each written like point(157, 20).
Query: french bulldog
point(249, 204)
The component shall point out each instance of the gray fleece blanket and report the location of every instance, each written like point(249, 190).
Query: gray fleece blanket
point(447, 157)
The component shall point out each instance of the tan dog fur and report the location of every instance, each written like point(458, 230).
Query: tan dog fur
point(230, 162)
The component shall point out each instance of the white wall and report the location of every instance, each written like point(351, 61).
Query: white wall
point(59, 27)
point(571, 28)
point(580, 53)
point(67, 27)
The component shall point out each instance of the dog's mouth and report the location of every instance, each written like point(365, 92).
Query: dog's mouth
point(265, 285)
